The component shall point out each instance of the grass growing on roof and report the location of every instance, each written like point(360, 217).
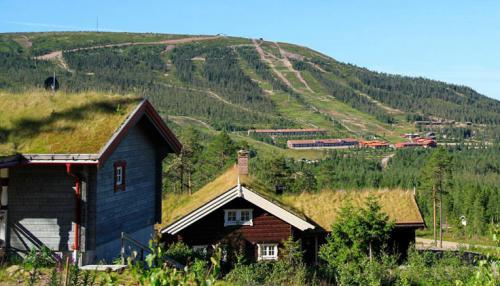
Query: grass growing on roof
point(42, 122)
point(321, 207)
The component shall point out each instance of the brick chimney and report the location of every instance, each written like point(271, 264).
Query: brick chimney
point(243, 162)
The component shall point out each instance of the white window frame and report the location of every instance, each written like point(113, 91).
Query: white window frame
point(262, 246)
point(200, 249)
point(119, 175)
point(238, 220)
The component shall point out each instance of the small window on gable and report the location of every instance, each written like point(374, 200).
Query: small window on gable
point(120, 171)
point(267, 251)
point(238, 217)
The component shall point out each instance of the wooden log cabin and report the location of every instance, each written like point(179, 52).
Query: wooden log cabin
point(86, 168)
point(242, 214)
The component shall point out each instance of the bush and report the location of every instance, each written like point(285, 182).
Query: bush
point(181, 253)
point(39, 258)
point(428, 269)
point(289, 270)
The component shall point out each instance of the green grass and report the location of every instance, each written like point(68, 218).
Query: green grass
point(41, 122)
point(47, 42)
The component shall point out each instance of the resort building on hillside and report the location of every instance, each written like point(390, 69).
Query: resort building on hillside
point(417, 142)
point(287, 132)
point(322, 143)
point(375, 144)
point(246, 216)
point(80, 171)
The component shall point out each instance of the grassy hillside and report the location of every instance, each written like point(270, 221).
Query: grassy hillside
point(229, 83)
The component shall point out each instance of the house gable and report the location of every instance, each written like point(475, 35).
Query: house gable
point(232, 194)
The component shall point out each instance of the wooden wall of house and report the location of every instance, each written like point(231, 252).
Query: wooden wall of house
point(401, 239)
point(211, 230)
point(134, 210)
point(41, 208)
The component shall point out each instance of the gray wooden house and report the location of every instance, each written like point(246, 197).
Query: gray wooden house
point(74, 177)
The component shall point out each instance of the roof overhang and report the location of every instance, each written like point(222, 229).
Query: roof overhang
point(237, 192)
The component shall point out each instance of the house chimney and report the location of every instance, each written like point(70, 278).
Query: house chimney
point(243, 162)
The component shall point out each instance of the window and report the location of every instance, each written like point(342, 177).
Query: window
point(268, 251)
point(201, 249)
point(120, 167)
point(238, 217)
point(245, 215)
point(231, 216)
point(119, 175)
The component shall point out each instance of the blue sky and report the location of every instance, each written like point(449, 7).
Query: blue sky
point(453, 41)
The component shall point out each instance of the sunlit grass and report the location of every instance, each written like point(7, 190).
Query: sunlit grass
point(42, 122)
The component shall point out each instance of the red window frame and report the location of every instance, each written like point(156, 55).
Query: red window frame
point(123, 165)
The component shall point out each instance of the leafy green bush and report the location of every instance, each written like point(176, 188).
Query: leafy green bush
point(159, 273)
point(39, 258)
point(180, 252)
point(428, 268)
point(288, 270)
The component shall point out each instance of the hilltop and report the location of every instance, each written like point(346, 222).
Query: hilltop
point(231, 83)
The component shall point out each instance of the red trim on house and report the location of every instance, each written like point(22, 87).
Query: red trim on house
point(123, 165)
point(58, 163)
point(76, 240)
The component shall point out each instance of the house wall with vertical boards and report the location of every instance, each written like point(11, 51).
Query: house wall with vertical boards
point(134, 210)
point(41, 208)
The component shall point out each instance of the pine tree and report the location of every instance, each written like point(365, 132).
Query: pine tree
point(436, 172)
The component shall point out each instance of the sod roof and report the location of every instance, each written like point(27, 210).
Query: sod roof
point(41, 122)
point(321, 207)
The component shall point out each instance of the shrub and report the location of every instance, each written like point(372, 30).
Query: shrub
point(180, 252)
point(357, 236)
point(289, 270)
point(39, 258)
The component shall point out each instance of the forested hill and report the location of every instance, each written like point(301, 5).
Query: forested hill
point(236, 83)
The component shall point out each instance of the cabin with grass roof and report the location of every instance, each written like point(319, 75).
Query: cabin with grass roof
point(78, 170)
point(243, 215)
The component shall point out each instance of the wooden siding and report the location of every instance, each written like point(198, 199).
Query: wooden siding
point(41, 208)
point(211, 229)
point(136, 207)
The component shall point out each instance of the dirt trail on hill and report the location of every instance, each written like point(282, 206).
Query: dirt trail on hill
point(181, 117)
point(263, 57)
point(58, 54)
point(385, 160)
point(285, 55)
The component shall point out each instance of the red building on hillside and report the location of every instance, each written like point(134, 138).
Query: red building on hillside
point(288, 132)
point(322, 143)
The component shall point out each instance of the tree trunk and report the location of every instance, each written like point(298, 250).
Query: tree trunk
point(189, 182)
point(370, 250)
point(434, 214)
point(441, 219)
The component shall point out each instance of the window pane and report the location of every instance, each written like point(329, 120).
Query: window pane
point(118, 175)
point(245, 215)
point(231, 216)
